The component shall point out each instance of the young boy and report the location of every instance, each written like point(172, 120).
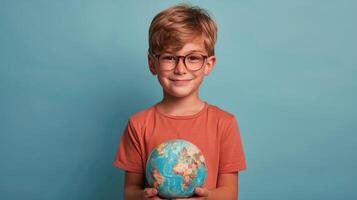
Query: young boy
point(181, 53)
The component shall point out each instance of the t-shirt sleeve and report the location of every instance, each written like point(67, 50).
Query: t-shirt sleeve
point(128, 155)
point(232, 157)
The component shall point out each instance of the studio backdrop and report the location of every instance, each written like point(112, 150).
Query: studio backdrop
point(72, 72)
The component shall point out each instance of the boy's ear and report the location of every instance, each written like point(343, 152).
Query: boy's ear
point(211, 61)
point(151, 63)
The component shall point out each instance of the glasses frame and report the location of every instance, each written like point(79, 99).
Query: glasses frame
point(177, 60)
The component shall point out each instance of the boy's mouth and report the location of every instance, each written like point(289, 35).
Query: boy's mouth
point(180, 81)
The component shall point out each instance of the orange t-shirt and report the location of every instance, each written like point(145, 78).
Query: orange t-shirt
point(214, 131)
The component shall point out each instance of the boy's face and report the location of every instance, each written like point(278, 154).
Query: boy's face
point(170, 79)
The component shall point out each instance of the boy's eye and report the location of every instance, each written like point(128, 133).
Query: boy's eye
point(168, 57)
point(194, 58)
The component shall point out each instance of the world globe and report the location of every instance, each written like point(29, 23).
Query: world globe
point(175, 168)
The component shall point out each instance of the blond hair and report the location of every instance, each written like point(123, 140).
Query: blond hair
point(177, 25)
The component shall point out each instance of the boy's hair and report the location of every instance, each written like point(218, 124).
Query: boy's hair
point(177, 25)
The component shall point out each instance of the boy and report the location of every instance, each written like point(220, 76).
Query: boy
point(181, 53)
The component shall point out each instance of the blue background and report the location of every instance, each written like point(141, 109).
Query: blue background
point(71, 73)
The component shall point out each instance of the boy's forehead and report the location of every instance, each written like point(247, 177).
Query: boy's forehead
point(191, 46)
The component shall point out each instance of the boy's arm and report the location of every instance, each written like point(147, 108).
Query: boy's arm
point(227, 187)
point(134, 187)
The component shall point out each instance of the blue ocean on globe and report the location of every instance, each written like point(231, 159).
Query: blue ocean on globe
point(175, 168)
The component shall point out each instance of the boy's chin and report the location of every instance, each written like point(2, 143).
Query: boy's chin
point(179, 94)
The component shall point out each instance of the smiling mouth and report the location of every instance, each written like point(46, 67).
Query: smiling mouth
point(181, 82)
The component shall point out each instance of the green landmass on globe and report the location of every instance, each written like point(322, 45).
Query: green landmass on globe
point(175, 168)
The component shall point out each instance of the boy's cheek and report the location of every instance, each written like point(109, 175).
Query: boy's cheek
point(164, 76)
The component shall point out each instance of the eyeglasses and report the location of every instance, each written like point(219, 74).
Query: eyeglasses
point(193, 61)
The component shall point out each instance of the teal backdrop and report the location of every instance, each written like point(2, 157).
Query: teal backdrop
point(72, 72)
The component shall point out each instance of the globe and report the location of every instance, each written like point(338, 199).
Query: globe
point(175, 168)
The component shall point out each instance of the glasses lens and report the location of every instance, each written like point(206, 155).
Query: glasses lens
point(194, 61)
point(167, 61)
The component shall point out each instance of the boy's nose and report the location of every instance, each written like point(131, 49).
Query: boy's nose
point(180, 67)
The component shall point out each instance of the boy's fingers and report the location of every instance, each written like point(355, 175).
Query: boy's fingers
point(150, 192)
point(153, 198)
point(203, 192)
point(199, 193)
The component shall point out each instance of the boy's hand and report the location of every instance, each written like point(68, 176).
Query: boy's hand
point(200, 194)
point(151, 194)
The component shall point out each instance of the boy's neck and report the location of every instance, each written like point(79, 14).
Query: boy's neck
point(180, 106)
